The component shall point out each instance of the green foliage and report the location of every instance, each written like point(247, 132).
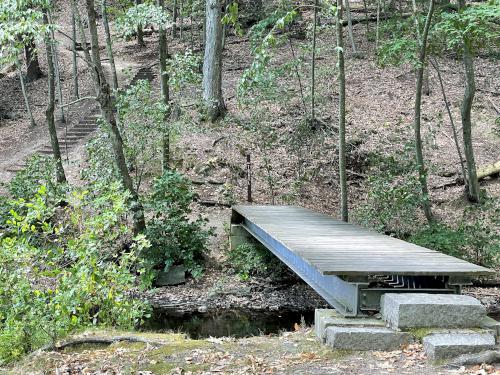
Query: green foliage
point(175, 238)
point(473, 238)
point(141, 15)
point(394, 196)
point(184, 69)
point(231, 18)
point(39, 171)
point(398, 43)
point(64, 270)
point(474, 26)
point(250, 260)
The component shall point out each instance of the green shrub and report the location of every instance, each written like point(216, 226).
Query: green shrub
point(174, 237)
point(252, 260)
point(64, 270)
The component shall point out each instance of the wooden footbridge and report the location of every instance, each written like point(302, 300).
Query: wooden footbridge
point(349, 266)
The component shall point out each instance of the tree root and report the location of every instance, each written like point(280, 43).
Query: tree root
point(488, 356)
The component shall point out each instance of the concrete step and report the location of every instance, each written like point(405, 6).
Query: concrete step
point(422, 310)
point(366, 338)
point(439, 346)
point(324, 318)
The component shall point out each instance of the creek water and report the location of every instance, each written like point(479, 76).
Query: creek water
point(233, 323)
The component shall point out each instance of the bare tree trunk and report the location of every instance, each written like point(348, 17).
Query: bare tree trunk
point(140, 34)
point(174, 19)
point(212, 63)
point(75, 61)
point(473, 192)
point(49, 112)
point(313, 64)
point(422, 171)
point(33, 71)
point(109, 45)
point(181, 18)
point(344, 211)
point(378, 26)
point(349, 23)
point(55, 56)
point(104, 99)
point(25, 96)
point(165, 90)
point(83, 40)
point(366, 19)
point(450, 116)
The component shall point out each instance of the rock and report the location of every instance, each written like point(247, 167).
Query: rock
point(420, 310)
point(324, 318)
point(202, 309)
point(174, 276)
point(492, 325)
point(366, 338)
point(452, 344)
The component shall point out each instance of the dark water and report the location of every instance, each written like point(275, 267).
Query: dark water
point(235, 323)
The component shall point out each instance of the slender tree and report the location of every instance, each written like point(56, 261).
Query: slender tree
point(349, 25)
point(473, 192)
point(422, 171)
point(174, 18)
point(25, 95)
point(109, 45)
point(55, 57)
point(344, 213)
point(164, 88)
point(49, 112)
point(212, 63)
point(75, 61)
point(104, 99)
point(140, 33)
point(313, 64)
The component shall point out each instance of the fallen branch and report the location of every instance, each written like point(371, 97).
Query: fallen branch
point(101, 340)
point(488, 170)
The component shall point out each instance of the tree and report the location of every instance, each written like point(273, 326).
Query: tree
point(33, 70)
point(105, 102)
point(344, 213)
point(212, 63)
point(422, 171)
point(49, 112)
point(109, 45)
point(164, 87)
point(140, 34)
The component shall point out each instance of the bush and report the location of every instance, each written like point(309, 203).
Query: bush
point(174, 238)
point(250, 260)
point(62, 270)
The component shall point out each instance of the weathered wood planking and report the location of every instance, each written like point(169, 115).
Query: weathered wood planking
point(337, 248)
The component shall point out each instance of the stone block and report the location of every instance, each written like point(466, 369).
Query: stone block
point(421, 310)
point(492, 325)
point(366, 338)
point(324, 318)
point(174, 276)
point(439, 346)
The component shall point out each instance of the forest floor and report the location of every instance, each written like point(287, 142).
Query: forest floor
point(380, 104)
point(294, 353)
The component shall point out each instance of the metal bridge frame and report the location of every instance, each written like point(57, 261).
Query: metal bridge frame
point(350, 296)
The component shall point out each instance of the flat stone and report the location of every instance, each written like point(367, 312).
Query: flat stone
point(448, 345)
point(492, 325)
point(174, 276)
point(324, 318)
point(421, 310)
point(366, 338)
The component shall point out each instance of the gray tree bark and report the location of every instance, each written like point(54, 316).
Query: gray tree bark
point(212, 63)
point(422, 171)
point(104, 99)
point(109, 45)
point(33, 71)
point(344, 210)
point(25, 96)
point(140, 34)
point(165, 90)
point(49, 112)
point(75, 61)
point(55, 57)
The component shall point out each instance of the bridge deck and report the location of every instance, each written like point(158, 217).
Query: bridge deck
point(336, 248)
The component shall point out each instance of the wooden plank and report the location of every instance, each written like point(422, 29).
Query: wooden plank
point(337, 248)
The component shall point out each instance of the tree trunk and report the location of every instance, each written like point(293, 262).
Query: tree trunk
point(140, 34)
point(313, 64)
point(49, 112)
point(75, 61)
point(109, 45)
point(181, 19)
point(378, 26)
point(165, 91)
point(174, 19)
point(25, 96)
point(33, 71)
point(212, 63)
point(55, 57)
point(104, 99)
point(344, 213)
point(422, 171)
point(473, 192)
point(349, 23)
point(83, 40)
